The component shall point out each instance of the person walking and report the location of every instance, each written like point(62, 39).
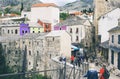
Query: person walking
point(72, 59)
point(104, 73)
point(92, 72)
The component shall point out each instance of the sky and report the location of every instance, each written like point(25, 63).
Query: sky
point(58, 2)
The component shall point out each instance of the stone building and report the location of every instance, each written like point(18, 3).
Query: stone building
point(79, 29)
point(33, 52)
point(10, 27)
point(12, 53)
point(114, 46)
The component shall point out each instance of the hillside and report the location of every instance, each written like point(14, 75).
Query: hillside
point(115, 3)
point(15, 5)
point(78, 5)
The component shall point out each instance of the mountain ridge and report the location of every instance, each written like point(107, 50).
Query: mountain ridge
point(15, 5)
point(78, 5)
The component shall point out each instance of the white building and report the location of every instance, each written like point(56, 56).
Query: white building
point(114, 47)
point(46, 12)
point(10, 27)
point(78, 28)
point(26, 14)
point(106, 22)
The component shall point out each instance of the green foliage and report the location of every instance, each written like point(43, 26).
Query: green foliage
point(90, 10)
point(38, 76)
point(63, 16)
point(2, 60)
point(87, 11)
point(7, 10)
point(16, 12)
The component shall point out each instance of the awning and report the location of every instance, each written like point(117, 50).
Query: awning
point(115, 49)
point(74, 48)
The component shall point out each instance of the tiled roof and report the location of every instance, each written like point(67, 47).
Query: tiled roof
point(105, 44)
point(56, 33)
point(44, 5)
point(114, 48)
point(72, 21)
point(114, 29)
point(32, 24)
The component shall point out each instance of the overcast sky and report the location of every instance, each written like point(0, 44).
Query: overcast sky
point(58, 2)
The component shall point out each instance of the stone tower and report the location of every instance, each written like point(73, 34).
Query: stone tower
point(100, 8)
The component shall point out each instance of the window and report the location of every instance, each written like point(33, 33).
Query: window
point(112, 56)
point(50, 55)
point(29, 42)
point(70, 30)
point(76, 30)
point(22, 31)
point(3, 31)
point(46, 26)
point(53, 38)
point(76, 38)
point(118, 39)
point(23, 42)
point(9, 62)
point(37, 52)
point(112, 38)
point(16, 31)
point(12, 31)
point(29, 52)
point(37, 65)
point(25, 31)
point(8, 31)
point(15, 52)
point(29, 63)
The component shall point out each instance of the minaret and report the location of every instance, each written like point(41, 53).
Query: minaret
point(100, 8)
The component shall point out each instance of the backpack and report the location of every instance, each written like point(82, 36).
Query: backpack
point(106, 74)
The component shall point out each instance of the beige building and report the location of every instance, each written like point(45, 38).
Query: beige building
point(114, 46)
point(58, 43)
point(33, 52)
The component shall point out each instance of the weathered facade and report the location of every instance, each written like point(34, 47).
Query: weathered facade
point(9, 28)
point(114, 47)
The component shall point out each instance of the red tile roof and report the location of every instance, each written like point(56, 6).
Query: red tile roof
point(44, 5)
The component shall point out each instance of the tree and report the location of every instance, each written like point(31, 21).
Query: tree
point(2, 60)
point(63, 16)
point(90, 10)
point(7, 10)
